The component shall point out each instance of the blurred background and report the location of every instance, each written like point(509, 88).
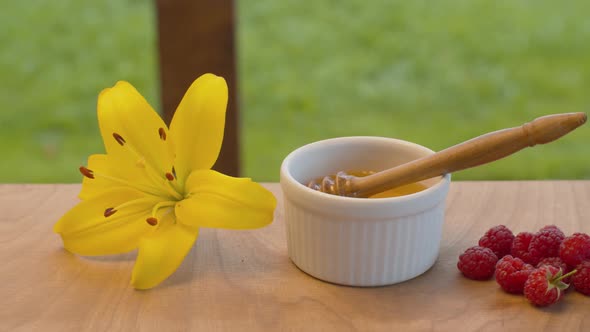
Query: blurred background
point(435, 73)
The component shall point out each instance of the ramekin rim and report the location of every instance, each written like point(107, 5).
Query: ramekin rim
point(285, 175)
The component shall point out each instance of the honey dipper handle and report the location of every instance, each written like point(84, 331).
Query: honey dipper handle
point(475, 152)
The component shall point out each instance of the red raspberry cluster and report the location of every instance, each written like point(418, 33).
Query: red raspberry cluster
point(539, 265)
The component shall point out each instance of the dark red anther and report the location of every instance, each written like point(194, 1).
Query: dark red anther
point(109, 212)
point(162, 133)
point(119, 139)
point(169, 176)
point(86, 172)
point(152, 221)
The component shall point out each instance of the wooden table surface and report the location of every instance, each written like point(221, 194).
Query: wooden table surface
point(244, 280)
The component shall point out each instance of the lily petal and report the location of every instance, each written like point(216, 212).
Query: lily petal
point(161, 253)
point(109, 173)
point(103, 226)
point(198, 124)
point(106, 173)
point(98, 185)
point(133, 133)
point(221, 201)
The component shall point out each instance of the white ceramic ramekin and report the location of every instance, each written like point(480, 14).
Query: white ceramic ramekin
point(359, 241)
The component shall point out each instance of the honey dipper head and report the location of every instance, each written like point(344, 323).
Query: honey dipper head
point(338, 184)
point(583, 118)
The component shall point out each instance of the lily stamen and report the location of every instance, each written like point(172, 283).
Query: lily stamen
point(119, 139)
point(162, 205)
point(115, 221)
point(162, 183)
point(137, 201)
point(153, 220)
point(171, 189)
point(166, 213)
point(162, 134)
point(86, 172)
point(109, 212)
point(154, 175)
point(149, 190)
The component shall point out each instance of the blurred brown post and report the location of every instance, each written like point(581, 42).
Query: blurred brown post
point(197, 37)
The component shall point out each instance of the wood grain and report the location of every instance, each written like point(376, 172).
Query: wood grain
point(243, 280)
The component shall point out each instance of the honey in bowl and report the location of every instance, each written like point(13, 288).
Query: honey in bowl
point(401, 191)
point(407, 189)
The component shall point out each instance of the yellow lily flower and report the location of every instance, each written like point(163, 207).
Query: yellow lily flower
point(154, 187)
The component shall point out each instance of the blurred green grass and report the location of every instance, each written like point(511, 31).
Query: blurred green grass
point(435, 73)
point(56, 57)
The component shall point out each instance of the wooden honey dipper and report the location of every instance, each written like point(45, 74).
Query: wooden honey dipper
point(474, 152)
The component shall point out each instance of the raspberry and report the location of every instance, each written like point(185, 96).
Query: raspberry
point(512, 273)
point(477, 263)
point(520, 246)
point(574, 249)
point(558, 263)
point(581, 280)
point(499, 239)
point(545, 286)
point(545, 243)
point(551, 227)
